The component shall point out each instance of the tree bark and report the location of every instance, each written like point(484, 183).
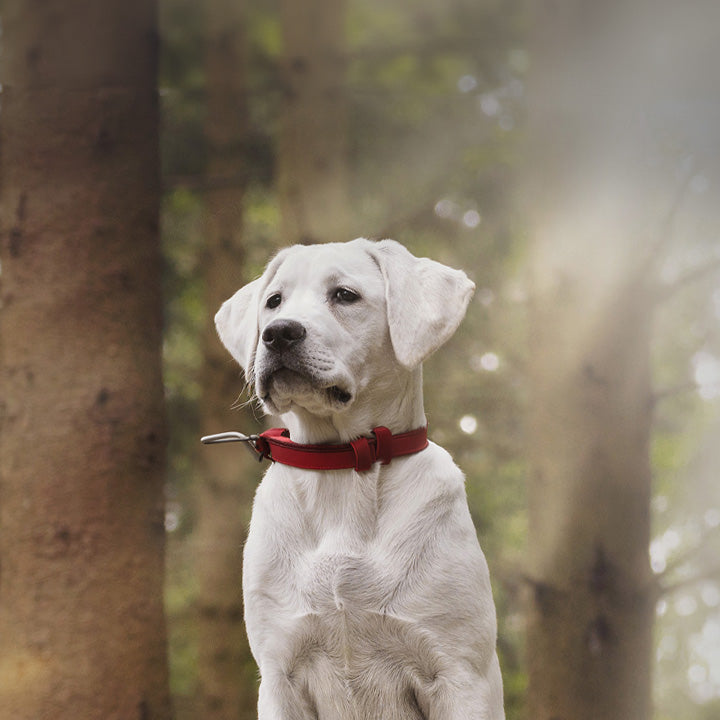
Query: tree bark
point(312, 145)
point(82, 448)
point(589, 640)
point(226, 672)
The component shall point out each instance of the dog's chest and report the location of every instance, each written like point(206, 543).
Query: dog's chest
point(333, 577)
point(339, 557)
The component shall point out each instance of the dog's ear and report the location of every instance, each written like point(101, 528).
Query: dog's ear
point(425, 301)
point(237, 319)
point(237, 323)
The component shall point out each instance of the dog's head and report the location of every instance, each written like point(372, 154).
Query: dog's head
point(326, 322)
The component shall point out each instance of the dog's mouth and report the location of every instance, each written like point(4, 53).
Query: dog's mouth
point(340, 395)
point(335, 393)
point(283, 385)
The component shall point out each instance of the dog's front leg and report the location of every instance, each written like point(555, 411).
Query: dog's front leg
point(465, 696)
point(280, 699)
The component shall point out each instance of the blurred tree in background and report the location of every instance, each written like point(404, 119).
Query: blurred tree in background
point(592, 291)
point(311, 158)
point(617, 146)
point(225, 484)
point(82, 447)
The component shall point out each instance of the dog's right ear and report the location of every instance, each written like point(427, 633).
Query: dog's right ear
point(237, 319)
point(237, 324)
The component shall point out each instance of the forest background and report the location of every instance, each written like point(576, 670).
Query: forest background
point(566, 155)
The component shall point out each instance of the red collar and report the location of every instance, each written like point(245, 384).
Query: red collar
point(360, 454)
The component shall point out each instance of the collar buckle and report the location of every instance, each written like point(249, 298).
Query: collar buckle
point(252, 442)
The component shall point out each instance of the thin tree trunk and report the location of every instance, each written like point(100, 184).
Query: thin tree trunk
point(226, 671)
point(589, 640)
point(312, 146)
point(82, 448)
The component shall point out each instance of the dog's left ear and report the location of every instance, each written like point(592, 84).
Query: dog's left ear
point(237, 324)
point(426, 301)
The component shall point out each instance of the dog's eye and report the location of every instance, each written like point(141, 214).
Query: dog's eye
point(274, 301)
point(345, 296)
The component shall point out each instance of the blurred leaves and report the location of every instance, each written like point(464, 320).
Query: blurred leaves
point(436, 91)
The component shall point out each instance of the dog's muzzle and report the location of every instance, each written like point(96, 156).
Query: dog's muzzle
point(283, 343)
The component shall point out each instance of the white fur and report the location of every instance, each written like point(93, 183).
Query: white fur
point(367, 596)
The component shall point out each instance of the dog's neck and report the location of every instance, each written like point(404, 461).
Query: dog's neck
point(396, 403)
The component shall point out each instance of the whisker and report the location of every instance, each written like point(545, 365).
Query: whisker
point(239, 403)
point(258, 412)
point(248, 399)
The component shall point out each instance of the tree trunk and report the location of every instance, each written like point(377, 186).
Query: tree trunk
point(226, 671)
point(82, 448)
point(312, 147)
point(589, 641)
point(590, 626)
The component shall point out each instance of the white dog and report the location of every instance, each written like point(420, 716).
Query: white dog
point(367, 596)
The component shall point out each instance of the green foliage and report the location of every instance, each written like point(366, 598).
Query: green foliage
point(184, 318)
point(182, 84)
point(436, 93)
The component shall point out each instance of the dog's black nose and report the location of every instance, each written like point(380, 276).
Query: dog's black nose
point(281, 334)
